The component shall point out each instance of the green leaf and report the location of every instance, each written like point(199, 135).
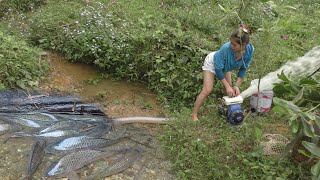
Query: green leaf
point(279, 102)
point(295, 126)
point(315, 169)
point(311, 147)
point(280, 110)
point(280, 89)
point(163, 80)
point(222, 8)
point(294, 87)
point(288, 105)
point(307, 128)
point(308, 81)
point(303, 152)
point(299, 96)
point(293, 107)
point(310, 115)
point(283, 77)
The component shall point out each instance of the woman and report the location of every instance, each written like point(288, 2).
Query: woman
point(235, 54)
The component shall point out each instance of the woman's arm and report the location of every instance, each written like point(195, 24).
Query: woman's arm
point(229, 90)
point(236, 86)
point(239, 81)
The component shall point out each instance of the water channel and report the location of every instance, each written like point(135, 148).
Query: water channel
point(115, 99)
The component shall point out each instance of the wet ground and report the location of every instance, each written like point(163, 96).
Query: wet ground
point(116, 99)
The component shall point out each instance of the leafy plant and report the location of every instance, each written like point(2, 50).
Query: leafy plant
point(20, 64)
point(302, 112)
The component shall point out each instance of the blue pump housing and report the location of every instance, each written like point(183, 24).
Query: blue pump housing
point(234, 114)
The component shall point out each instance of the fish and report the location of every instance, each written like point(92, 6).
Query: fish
point(131, 155)
point(101, 129)
point(56, 133)
point(32, 120)
point(72, 144)
point(49, 137)
point(35, 116)
point(59, 126)
point(23, 122)
point(75, 125)
point(6, 128)
point(68, 164)
point(35, 158)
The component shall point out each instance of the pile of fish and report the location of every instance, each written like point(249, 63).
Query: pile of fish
point(78, 139)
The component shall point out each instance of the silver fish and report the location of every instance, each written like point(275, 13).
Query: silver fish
point(119, 165)
point(35, 158)
point(33, 120)
point(23, 122)
point(80, 142)
point(73, 125)
point(70, 163)
point(101, 129)
point(49, 137)
point(6, 128)
point(37, 116)
point(59, 125)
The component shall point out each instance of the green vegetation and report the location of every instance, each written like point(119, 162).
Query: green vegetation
point(20, 64)
point(164, 44)
point(303, 113)
point(20, 6)
point(212, 149)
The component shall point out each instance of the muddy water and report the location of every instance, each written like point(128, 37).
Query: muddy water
point(116, 99)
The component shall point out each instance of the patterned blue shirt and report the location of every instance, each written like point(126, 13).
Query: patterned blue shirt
point(225, 60)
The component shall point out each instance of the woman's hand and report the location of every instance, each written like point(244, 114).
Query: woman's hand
point(230, 91)
point(236, 90)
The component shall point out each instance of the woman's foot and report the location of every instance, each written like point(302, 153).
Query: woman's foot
point(194, 117)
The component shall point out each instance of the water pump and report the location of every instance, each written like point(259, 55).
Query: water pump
point(231, 109)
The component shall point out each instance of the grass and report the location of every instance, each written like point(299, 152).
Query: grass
point(213, 149)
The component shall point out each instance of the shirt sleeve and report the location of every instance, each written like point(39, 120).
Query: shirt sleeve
point(243, 69)
point(220, 60)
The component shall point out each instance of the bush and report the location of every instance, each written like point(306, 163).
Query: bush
point(7, 6)
point(164, 56)
point(165, 44)
point(20, 64)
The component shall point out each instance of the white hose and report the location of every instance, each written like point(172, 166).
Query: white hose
point(127, 120)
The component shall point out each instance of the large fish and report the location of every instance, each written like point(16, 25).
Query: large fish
point(119, 165)
point(49, 137)
point(59, 126)
point(68, 164)
point(33, 120)
point(35, 116)
point(72, 144)
point(35, 158)
point(101, 129)
point(77, 125)
point(6, 128)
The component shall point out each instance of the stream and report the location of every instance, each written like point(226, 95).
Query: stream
point(116, 99)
